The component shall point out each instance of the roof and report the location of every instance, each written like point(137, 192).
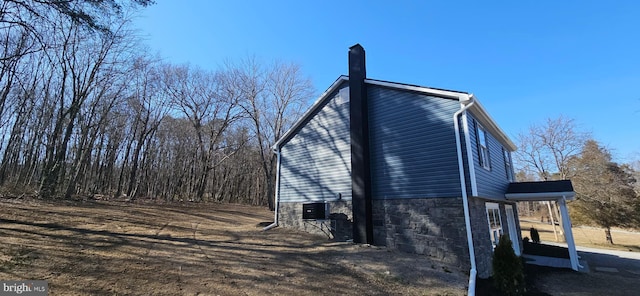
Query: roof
point(542, 190)
point(477, 109)
point(442, 91)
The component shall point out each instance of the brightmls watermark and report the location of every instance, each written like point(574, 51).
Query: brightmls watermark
point(24, 288)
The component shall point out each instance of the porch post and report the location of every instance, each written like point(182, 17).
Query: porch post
point(568, 233)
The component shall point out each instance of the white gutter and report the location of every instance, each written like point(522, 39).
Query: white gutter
point(276, 190)
point(467, 140)
point(463, 186)
point(487, 122)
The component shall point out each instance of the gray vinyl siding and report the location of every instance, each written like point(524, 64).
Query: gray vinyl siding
point(316, 161)
point(465, 163)
point(412, 145)
point(491, 183)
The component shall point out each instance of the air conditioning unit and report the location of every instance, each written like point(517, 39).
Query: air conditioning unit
point(315, 211)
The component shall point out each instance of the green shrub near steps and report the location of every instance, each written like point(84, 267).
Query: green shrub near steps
point(508, 272)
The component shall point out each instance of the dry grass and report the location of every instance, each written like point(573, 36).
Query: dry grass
point(115, 248)
point(587, 236)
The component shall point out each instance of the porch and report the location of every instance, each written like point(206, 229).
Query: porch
point(551, 255)
point(559, 191)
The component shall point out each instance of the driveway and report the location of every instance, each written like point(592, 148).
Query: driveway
point(611, 273)
point(622, 263)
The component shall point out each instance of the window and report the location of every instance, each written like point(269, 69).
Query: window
point(513, 230)
point(495, 222)
point(507, 164)
point(483, 148)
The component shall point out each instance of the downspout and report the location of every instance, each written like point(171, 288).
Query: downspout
point(465, 200)
point(471, 165)
point(276, 190)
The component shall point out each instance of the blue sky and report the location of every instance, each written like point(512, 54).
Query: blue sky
point(525, 60)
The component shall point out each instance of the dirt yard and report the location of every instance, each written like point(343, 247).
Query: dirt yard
point(117, 248)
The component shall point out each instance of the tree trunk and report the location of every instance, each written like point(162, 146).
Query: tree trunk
point(557, 214)
point(607, 233)
point(134, 170)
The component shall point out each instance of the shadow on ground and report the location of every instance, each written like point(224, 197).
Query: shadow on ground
point(108, 248)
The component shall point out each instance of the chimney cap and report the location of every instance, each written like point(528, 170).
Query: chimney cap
point(357, 45)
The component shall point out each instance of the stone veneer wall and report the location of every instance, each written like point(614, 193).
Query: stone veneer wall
point(339, 226)
point(433, 227)
point(481, 235)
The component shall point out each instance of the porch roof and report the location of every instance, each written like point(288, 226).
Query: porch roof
point(540, 191)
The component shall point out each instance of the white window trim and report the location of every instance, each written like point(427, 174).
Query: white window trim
point(513, 231)
point(483, 150)
point(507, 164)
point(494, 234)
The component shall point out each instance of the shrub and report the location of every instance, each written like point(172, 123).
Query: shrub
point(535, 236)
point(508, 272)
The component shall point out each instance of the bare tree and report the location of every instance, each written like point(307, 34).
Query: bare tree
point(546, 149)
point(210, 103)
point(84, 64)
point(150, 106)
point(635, 168)
point(93, 15)
point(273, 98)
point(82, 115)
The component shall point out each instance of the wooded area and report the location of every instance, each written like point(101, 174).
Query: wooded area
point(85, 111)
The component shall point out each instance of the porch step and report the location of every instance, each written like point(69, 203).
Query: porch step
point(554, 262)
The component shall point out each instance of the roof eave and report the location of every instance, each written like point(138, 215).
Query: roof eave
point(477, 109)
point(310, 111)
point(487, 122)
point(463, 97)
point(426, 90)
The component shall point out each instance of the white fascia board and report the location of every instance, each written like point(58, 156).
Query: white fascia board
point(540, 196)
point(312, 109)
point(487, 122)
point(426, 90)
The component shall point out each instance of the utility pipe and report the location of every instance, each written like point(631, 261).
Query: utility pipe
point(463, 186)
point(276, 190)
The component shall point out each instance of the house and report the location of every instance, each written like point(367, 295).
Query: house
point(412, 168)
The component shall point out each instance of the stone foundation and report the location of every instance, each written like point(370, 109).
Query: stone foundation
point(339, 226)
point(433, 227)
point(481, 236)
